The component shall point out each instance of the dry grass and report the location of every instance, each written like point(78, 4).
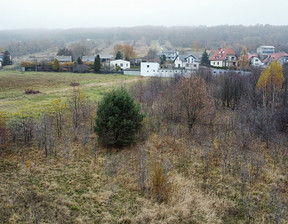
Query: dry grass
point(81, 188)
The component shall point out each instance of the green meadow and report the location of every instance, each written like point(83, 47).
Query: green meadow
point(52, 86)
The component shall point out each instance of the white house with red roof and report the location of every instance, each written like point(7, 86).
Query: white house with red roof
point(223, 58)
point(255, 60)
point(282, 58)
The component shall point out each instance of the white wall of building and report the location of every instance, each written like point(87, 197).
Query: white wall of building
point(255, 61)
point(121, 63)
point(190, 63)
point(149, 69)
point(217, 63)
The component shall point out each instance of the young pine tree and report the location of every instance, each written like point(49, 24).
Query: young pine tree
point(118, 55)
point(118, 119)
point(205, 59)
point(56, 65)
point(97, 64)
point(7, 59)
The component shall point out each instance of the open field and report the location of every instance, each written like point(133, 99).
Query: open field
point(52, 86)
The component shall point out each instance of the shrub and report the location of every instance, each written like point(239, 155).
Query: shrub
point(31, 91)
point(118, 119)
point(4, 133)
point(159, 180)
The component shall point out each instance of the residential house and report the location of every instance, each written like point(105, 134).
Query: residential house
point(264, 51)
point(187, 62)
point(149, 69)
point(223, 58)
point(120, 63)
point(255, 60)
point(106, 58)
point(282, 58)
point(170, 55)
point(87, 58)
point(103, 58)
point(63, 58)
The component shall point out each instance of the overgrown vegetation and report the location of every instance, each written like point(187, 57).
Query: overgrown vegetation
point(226, 165)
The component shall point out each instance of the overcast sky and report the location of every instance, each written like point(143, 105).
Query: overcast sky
point(18, 14)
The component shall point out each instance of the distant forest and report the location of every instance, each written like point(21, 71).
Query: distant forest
point(22, 42)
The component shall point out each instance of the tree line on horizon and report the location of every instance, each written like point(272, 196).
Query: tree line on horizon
point(28, 42)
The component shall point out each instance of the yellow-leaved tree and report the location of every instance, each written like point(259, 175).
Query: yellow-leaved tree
point(243, 62)
point(270, 80)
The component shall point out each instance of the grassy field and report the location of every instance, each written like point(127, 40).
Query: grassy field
point(51, 86)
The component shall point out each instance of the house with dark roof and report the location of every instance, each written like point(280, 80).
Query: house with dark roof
point(170, 55)
point(103, 57)
point(282, 58)
point(223, 58)
point(64, 58)
point(187, 62)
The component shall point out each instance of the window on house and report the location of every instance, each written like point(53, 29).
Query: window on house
point(121, 64)
point(195, 66)
point(148, 66)
point(217, 62)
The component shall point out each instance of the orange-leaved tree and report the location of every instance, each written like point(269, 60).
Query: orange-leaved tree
point(194, 99)
point(270, 80)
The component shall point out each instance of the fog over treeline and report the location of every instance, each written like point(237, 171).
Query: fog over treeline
point(21, 42)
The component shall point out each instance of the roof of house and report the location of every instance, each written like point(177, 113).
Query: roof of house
point(106, 56)
point(169, 51)
point(221, 54)
point(120, 60)
point(250, 56)
point(64, 58)
point(183, 58)
point(275, 57)
point(266, 47)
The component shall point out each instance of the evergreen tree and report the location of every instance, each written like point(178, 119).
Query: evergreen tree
point(97, 64)
point(162, 59)
point(56, 65)
point(79, 61)
point(7, 59)
point(118, 55)
point(205, 59)
point(118, 119)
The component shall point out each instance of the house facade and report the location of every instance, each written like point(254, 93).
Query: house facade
point(88, 58)
point(149, 69)
point(223, 58)
point(120, 63)
point(170, 55)
point(264, 51)
point(255, 60)
point(189, 62)
point(282, 58)
point(104, 58)
point(63, 58)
